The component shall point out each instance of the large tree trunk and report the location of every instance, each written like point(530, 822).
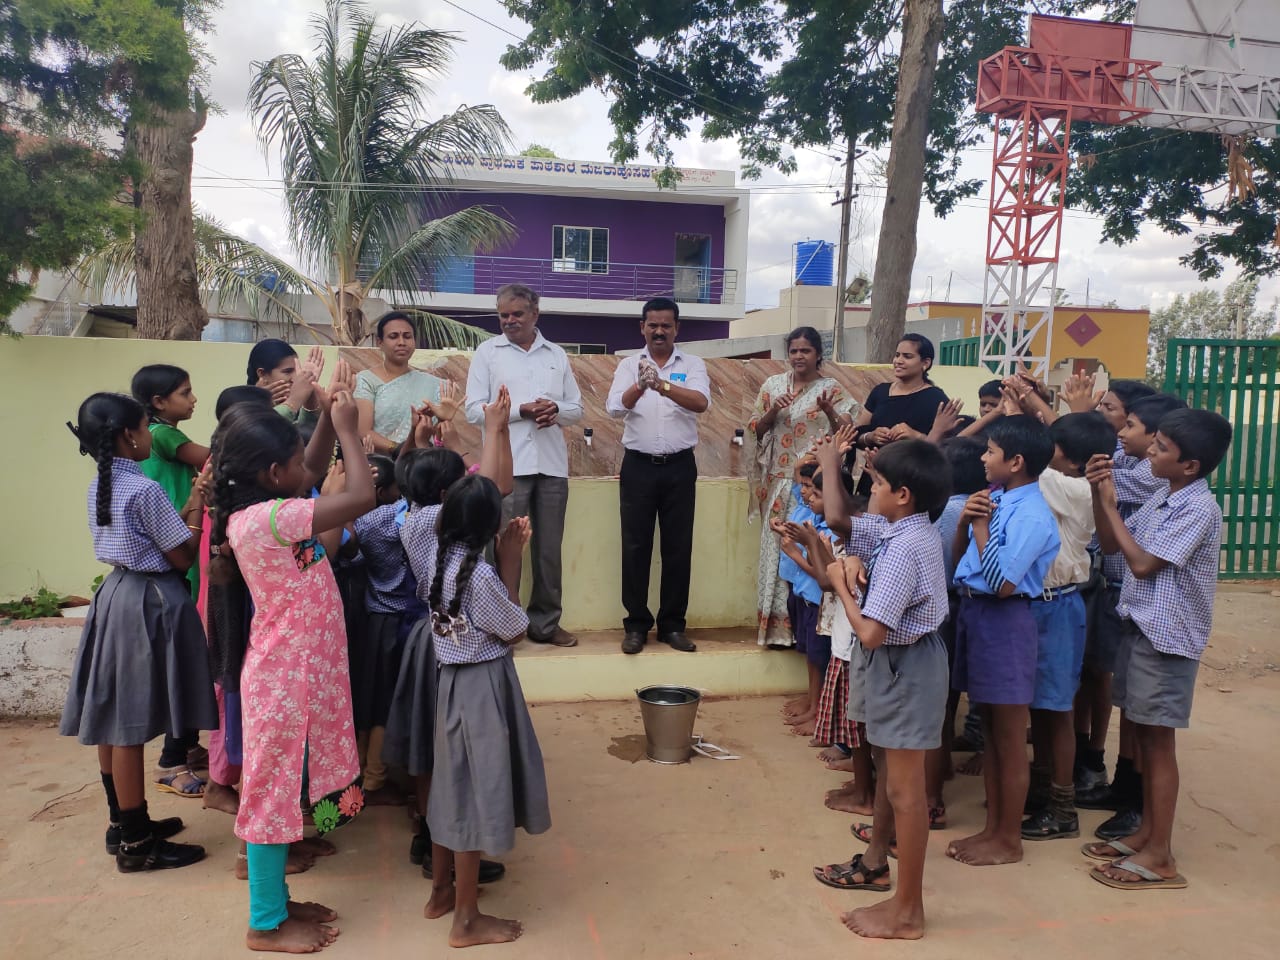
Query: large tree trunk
point(896, 253)
point(169, 306)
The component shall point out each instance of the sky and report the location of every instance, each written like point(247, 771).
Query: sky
point(232, 175)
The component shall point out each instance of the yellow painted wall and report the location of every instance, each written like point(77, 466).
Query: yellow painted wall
point(42, 487)
point(1121, 344)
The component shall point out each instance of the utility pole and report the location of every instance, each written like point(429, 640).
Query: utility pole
point(845, 202)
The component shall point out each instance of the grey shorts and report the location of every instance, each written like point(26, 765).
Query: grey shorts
point(858, 684)
point(1153, 688)
point(1105, 629)
point(905, 694)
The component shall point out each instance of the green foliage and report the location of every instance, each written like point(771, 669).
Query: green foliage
point(366, 182)
point(97, 582)
point(538, 150)
point(57, 200)
point(1208, 314)
point(45, 603)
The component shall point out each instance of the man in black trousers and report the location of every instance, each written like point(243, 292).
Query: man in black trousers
point(659, 392)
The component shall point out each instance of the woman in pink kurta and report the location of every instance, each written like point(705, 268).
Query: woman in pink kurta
point(295, 687)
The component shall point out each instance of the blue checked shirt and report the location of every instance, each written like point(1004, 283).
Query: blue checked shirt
point(144, 524)
point(1135, 487)
point(418, 535)
point(1025, 533)
point(489, 613)
point(946, 526)
point(1174, 609)
point(907, 583)
point(391, 586)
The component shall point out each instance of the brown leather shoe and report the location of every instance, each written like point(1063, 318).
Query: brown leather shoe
point(678, 641)
point(561, 638)
point(633, 642)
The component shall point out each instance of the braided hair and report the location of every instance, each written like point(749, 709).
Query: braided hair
point(99, 422)
point(156, 380)
point(469, 520)
point(422, 474)
point(249, 439)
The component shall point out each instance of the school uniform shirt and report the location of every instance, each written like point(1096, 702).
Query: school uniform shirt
point(1026, 535)
point(486, 618)
point(1071, 501)
point(418, 537)
point(541, 371)
point(906, 575)
point(391, 586)
point(802, 584)
point(1174, 609)
point(144, 524)
point(946, 525)
point(1135, 486)
point(657, 425)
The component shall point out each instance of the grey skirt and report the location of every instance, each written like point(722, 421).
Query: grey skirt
point(375, 667)
point(409, 740)
point(142, 668)
point(488, 777)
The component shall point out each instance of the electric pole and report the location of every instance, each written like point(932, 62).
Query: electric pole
point(845, 202)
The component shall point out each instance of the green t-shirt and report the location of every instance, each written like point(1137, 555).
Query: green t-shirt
point(174, 476)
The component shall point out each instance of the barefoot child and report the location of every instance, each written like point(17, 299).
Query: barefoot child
point(1171, 549)
point(142, 668)
point(803, 597)
point(175, 460)
point(488, 777)
point(1061, 624)
point(295, 687)
point(1007, 540)
point(896, 562)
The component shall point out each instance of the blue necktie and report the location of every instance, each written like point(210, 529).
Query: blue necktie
point(991, 555)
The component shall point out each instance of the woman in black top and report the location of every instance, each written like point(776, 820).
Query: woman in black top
point(904, 407)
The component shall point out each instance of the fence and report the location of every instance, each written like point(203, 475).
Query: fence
point(959, 353)
point(1239, 379)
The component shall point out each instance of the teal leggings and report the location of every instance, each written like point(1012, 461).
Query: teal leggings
point(268, 893)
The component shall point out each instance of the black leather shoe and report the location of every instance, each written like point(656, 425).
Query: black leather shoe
point(1099, 798)
point(560, 638)
point(678, 641)
point(1090, 781)
point(420, 847)
point(633, 642)
point(489, 870)
point(160, 829)
point(154, 854)
point(1045, 826)
point(1124, 824)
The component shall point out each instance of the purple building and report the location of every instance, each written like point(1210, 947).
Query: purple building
point(597, 240)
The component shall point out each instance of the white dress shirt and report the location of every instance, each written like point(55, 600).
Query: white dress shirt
point(657, 425)
point(1072, 504)
point(541, 372)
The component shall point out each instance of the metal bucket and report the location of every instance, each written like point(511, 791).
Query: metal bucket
point(668, 712)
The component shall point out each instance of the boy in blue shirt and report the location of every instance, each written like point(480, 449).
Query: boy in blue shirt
point(1009, 538)
point(1171, 551)
point(896, 562)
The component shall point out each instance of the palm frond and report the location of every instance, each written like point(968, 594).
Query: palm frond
point(444, 333)
point(410, 261)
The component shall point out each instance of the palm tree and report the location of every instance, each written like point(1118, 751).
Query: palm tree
point(365, 172)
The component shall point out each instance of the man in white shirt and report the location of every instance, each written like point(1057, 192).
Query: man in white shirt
point(659, 392)
point(544, 395)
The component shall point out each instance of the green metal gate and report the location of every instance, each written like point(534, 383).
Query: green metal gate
point(1238, 379)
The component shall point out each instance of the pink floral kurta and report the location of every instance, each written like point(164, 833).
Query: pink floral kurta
point(295, 687)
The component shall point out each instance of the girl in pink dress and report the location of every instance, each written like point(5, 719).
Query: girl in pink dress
point(294, 685)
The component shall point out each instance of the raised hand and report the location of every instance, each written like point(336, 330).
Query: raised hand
point(844, 438)
point(450, 402)
point(279, 392)
point(313, 366)
point(335, 480)
point(778, 526)
point(512, 540)
point(1079, 393)
point(498, 414)
point(781, 402)
point(945, 420)
point(448, 435)
point(368, 445)
point(1010, 399)
point(827, 401)
point(343, 412)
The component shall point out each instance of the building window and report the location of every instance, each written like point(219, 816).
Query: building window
point(580, 249)
point(585, 349)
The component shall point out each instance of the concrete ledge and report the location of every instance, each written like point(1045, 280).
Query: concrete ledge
point(35, 665)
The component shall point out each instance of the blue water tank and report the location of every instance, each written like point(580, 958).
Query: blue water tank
point(815, 260)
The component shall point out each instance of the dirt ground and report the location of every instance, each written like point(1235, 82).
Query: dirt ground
point(705, 860)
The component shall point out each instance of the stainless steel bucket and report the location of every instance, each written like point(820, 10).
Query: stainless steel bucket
point(668, 712)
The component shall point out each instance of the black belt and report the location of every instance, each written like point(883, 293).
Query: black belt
point(973, 594)
point(661, 458)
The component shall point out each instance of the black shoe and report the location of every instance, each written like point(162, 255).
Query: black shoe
point(1090, 781)
point(154, 854)
point(1124, 824)
point(489, 870)
point(1035, 803)
point(160, 829)
point(633, 642)
point(420, 847)
point(678, 641)
point(1045, 826)
point(1102, 797)
point(559, 638)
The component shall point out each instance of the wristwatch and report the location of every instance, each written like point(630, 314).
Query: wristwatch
point(666, 386)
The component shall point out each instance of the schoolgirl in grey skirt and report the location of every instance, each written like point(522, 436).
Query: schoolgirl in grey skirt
point(142, 666)
point(488, 777)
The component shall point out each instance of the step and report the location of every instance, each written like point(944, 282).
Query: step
point(728, 663)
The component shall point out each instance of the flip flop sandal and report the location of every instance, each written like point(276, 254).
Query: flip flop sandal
point(169, 780)
point(1091, 850)
point(840, 875)
point(863, 832)
point(1150, 880)
point(937, 818)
